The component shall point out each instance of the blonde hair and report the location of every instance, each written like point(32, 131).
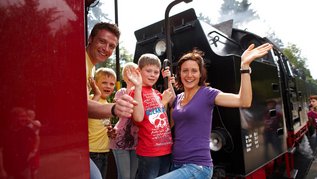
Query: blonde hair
point(149, 59)
point(103, 71)
point(127, 66)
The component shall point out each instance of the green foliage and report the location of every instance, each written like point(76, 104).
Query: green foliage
point(125, 57)
point(293, 53)
point(239, 11)
point(111, 63)
point(95, 15)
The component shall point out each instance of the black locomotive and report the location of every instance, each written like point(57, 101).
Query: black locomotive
point(243, 142)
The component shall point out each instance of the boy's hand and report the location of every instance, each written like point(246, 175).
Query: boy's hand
point(94, 88)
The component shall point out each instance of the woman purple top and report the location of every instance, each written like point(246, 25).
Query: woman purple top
point(193, 126)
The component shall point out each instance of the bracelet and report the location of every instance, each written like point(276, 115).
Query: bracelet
point(246, 70)
point(112, 110)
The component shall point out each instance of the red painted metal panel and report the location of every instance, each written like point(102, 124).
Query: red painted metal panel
point(43, 78)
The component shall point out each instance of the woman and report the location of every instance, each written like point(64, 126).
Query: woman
point(193, 107)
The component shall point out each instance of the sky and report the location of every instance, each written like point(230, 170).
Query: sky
point(292, 21)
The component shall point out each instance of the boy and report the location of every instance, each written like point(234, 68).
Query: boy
point(312, 114)
point(102, 87)
point(154, 135)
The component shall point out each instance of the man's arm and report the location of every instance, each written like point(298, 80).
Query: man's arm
point(123, 108)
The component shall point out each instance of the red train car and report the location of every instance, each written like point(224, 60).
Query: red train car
point(43, 78)
point(43, 111)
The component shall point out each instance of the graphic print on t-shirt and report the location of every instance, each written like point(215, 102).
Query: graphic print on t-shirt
point(155, 112)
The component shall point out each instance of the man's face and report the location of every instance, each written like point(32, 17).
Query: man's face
point(101, 47)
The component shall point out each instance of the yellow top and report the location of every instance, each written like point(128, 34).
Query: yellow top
point(90, 71)
point(97, 134)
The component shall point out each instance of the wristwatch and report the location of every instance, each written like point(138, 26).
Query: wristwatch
point(248, 70)
point(112, 110)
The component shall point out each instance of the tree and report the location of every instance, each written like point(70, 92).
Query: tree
point(239, 11)
point(111, 62)
point(293, 53)
point(96, 14)
point(204, 18)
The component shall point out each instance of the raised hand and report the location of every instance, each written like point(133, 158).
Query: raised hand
point(252, 53)
point(134, 76)
point(95, 90)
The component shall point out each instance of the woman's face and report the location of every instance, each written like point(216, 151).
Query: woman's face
point(190, 74)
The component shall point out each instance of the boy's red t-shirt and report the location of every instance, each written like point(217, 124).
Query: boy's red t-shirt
point(154, 135)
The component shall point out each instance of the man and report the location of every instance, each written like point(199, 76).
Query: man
point(102, 41)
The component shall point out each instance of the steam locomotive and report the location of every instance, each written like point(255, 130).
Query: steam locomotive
point(42, 65)
point(243, 142)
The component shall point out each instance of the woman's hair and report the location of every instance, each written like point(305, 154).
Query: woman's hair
point(197, 56)
point(149, 59)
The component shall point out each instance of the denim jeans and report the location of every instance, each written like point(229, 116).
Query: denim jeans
point(101, 161)
point(192, 171)
point(127, 163)
point(151, 167)
point(94, 171)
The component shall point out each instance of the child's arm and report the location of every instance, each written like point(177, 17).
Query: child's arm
point(96, 91)
point(135, 77)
